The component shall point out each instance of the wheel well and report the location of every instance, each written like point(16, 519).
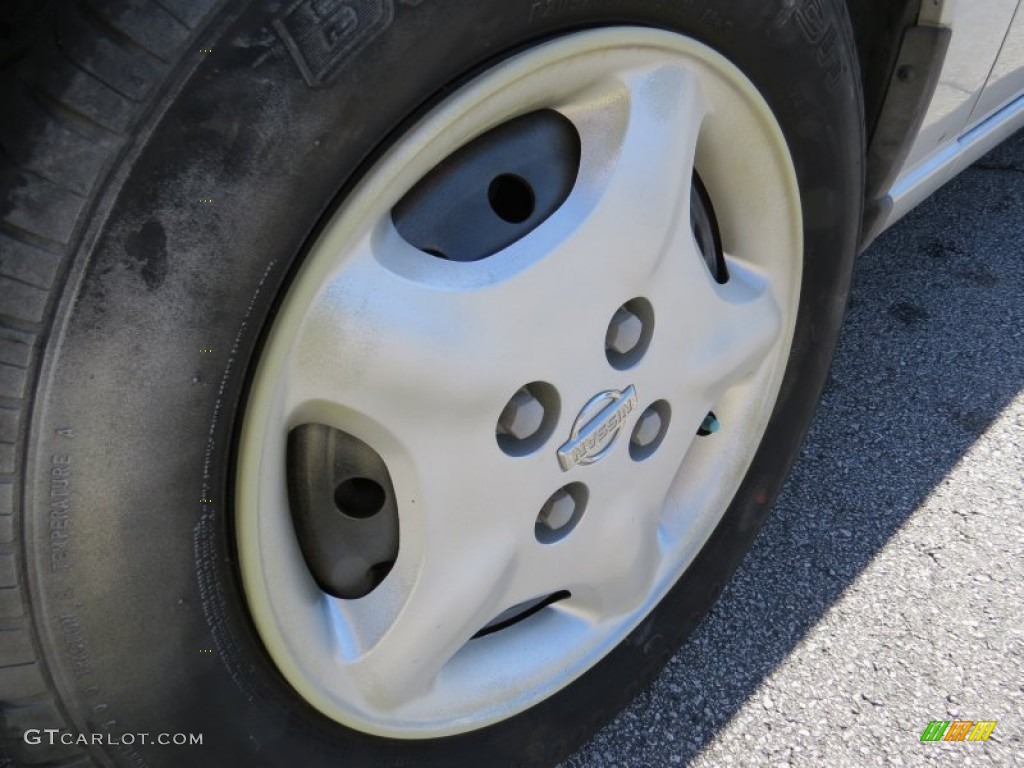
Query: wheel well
point(878, 27)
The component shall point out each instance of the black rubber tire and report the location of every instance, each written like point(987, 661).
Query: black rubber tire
point(121, 609)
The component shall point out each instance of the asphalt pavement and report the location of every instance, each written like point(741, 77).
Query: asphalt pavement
point(887, 588)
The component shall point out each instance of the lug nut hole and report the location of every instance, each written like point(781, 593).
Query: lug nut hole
point(512, 198)
point(629, 334)
point(650, 431)
point(561, 512)
point(528, 419)
point(359, 497)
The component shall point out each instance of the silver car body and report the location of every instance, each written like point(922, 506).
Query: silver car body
point(979, 100)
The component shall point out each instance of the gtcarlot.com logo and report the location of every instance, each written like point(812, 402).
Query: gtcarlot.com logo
point(53, 736)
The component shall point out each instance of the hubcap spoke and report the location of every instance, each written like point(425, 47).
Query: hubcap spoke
point(609, 562)
point(457, 590)
point(427, 366)
point(639, 136)
point(462, 563)
point(717, 334)
point(743, 321)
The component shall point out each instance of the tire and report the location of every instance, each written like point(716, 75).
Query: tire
point(173, 171)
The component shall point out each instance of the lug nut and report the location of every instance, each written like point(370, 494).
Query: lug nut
point(522, 417)
point(557, 511)
point(647, 429)
point(624, 332)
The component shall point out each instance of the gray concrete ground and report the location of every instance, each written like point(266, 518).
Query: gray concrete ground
point(887, 588)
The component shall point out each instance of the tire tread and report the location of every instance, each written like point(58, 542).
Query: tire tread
point(85, 83)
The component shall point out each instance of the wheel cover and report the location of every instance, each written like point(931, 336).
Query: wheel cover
point(417, 357)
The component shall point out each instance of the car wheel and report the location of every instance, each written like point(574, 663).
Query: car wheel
point(412, 376)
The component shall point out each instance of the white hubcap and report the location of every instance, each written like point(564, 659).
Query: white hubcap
point(418, 357)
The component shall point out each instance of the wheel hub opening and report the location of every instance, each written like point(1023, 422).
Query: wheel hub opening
point(343, 508)
point(706, 231)
point(493, 191)
point(521, 612)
